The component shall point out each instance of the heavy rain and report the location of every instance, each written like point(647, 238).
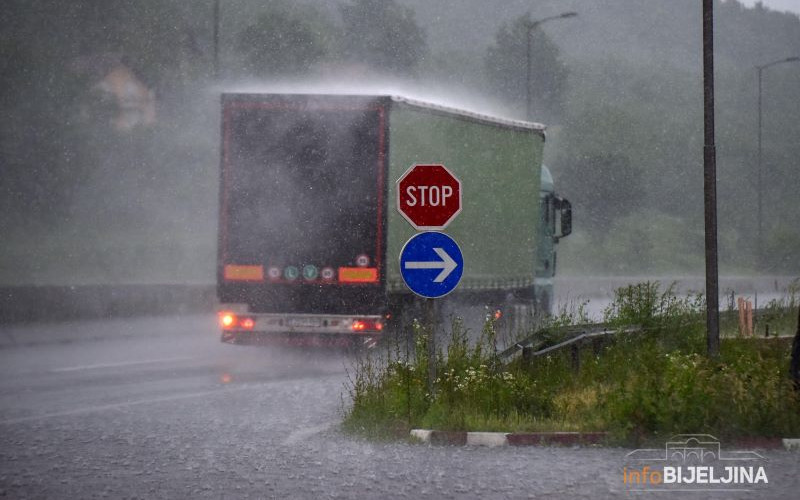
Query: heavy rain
point(205, 289)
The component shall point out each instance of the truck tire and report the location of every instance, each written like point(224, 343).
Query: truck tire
point(519, 317)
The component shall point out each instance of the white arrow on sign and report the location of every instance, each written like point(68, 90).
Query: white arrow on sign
point(447, 265)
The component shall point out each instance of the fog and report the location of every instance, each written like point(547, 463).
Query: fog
point(103, 187)
point(435, 92)
point(117, 199)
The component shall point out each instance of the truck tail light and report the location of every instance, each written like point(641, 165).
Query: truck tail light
point(227, 320)
point(366, 325)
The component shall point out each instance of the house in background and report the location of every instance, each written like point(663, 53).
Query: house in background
point(133, 104)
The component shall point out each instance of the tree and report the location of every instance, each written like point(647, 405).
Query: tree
point(154, 38)
point(56, 136)
point(603, 187)
point(506, 69)
point(384, 35)
point(285, 41)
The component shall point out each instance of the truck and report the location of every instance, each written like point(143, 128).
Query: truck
point(309, 237)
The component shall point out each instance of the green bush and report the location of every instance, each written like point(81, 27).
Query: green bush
point(647, 384)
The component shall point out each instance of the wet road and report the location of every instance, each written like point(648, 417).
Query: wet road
point(158, 408)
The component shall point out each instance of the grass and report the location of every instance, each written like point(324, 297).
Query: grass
point(775, 312)
point(638, 386)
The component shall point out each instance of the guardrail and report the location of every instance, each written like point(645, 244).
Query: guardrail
point(56, 303)
point(536, 345)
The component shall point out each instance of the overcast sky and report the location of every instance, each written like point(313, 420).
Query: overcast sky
point(781, 5)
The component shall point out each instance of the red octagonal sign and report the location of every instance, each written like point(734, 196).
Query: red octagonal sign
point(429, 196)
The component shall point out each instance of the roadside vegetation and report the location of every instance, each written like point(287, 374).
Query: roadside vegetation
point(650, 381)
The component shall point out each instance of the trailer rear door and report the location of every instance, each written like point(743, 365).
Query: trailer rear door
point(302, 203)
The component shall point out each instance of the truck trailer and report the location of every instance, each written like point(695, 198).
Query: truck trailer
point(309, 236)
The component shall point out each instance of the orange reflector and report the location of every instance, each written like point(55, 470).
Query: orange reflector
point(358, 274)
point(235, 272)
point(247, 323)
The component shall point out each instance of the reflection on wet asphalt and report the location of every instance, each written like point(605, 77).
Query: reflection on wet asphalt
point(159, 408)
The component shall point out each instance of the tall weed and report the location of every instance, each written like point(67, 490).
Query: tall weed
point(653, 382)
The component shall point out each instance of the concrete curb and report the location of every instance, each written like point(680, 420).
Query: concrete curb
point(492, 439)
point(791, 444)
point(462, 438)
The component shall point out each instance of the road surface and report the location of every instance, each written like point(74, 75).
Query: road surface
point(159, 408)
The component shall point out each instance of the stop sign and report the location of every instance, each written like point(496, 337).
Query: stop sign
point(428, 196)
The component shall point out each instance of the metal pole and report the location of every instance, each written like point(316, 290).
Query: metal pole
point(710, 184)
point(216, 39)
point(430, 313)
point(759, 233)
point(759, 255)
point(528, 77)
point(529, 30)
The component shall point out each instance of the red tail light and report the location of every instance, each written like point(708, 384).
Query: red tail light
point(366, 325)
point(229, 321)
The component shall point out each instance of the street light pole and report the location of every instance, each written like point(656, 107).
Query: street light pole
point(216, 39)
point(530, 26)
point(760, 69)
point(710, 184)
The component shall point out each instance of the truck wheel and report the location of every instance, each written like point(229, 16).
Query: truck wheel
point(543, 305)
point(519, 319)
point(399, 329)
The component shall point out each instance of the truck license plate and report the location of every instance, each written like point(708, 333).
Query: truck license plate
point(305, 322)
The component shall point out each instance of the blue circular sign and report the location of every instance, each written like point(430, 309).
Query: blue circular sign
point(431, 264)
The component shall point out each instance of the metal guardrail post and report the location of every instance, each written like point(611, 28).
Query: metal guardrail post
point(575, 355)
point(527, 355)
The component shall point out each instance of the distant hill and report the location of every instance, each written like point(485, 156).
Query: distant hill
point(667, 31)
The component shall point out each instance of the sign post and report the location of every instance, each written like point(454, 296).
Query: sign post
point(431, 264)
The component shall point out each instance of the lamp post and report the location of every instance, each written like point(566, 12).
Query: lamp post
point(710, 184)
point(216, 39)
point(760, 69)
point(530, 26)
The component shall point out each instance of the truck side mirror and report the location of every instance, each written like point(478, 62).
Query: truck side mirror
point(565, 211)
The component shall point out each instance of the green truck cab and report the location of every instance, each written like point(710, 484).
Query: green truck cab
point(555, 222)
